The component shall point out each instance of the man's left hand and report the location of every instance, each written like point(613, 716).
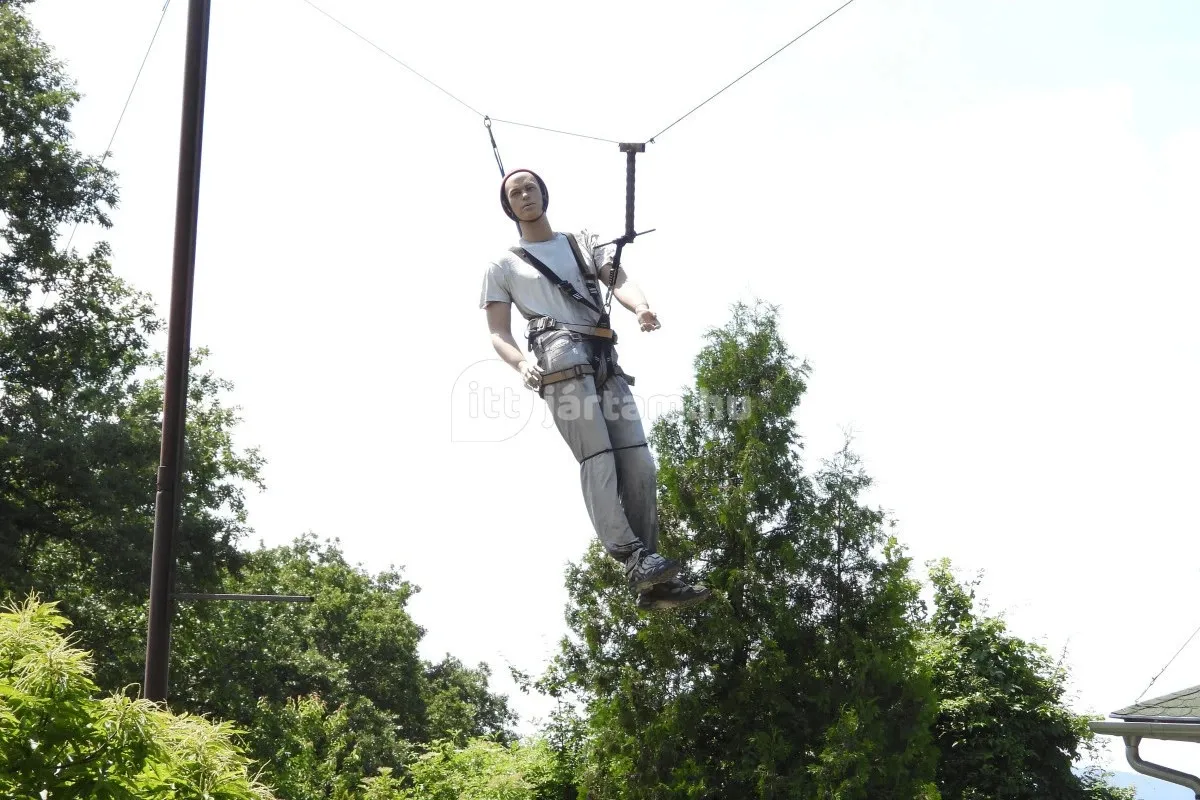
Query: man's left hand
point(648, 320)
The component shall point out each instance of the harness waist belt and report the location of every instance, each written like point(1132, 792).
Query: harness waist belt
point(586, 330)
point(539, 325)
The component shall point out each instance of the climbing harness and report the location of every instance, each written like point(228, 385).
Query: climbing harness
point(601, 338)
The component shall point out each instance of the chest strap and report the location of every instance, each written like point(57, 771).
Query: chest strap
point(593, 303)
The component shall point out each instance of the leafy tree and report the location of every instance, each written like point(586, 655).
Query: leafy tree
point(59, 740)
point(309, 752)
point(565, 733)
point(356, 639)
point(813, 675)
point(80, 410)
point(1003, 729)
point(354, 646)
point(459, 706)
point(482, 770)
point(80, 392)
point(801, 680)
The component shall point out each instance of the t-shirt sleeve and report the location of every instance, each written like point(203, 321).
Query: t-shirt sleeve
point(602, 255)
point(495, 286)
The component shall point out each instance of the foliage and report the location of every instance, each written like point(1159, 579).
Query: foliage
point(310, 752)
point(355, 641)
point(59, 740)
point(815, 674)
point(459, 706)
point(1003, 728)
point(565, 733)
point(44, 182)
point(482, 770)
point(328, 692)
point(229, 655)
point(801, 680)
point(81, 392)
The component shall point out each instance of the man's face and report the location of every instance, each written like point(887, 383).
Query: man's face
point(524, 196)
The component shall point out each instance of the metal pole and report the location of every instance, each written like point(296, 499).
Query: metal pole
point(249, 598)
point(168, 496)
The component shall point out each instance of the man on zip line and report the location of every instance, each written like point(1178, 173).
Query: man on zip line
point(552, 279)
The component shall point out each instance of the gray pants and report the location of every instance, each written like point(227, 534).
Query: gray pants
point(604, 431)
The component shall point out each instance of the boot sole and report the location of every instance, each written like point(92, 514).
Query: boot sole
point(668, 605)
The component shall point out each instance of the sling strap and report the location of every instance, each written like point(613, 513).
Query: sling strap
point(602, 333)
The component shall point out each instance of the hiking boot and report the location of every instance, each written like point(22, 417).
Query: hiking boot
point(671, 595)
point(647, 569)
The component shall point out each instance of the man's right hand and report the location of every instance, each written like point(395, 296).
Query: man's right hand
point(531, 374)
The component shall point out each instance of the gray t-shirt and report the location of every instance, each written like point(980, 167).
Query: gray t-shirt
point(510, 279)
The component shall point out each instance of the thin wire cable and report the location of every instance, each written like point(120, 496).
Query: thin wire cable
point(125, 107)
point(343, 25)
point(555, 130)
point(747, 72)
point(454, 97)
point(1164, 669)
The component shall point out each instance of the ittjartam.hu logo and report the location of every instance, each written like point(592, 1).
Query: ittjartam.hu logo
point(488, 403)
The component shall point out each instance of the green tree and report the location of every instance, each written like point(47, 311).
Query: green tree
point(310, 752)
point(354, 646)
point(355, 640)
point(59, 740)
point(459, 705)
point(801, 679)
point(80, 392)
point(565, 733)
point(80, 412)
point(482, 770)
point(1003, 729)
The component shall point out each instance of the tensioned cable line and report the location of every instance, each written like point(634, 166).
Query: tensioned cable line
point(1169, 663)
point(346, 27)
point(486, 118)
point(554, 130)
point(442, 89)
point(125, 107)
point(747, 72)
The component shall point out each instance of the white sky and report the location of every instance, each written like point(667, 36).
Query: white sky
point(978, 218)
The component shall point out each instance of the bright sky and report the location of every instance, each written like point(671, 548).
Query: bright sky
point(978, 218)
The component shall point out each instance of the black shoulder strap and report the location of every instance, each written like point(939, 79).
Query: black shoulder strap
point(589, 280)
point(564, 286)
